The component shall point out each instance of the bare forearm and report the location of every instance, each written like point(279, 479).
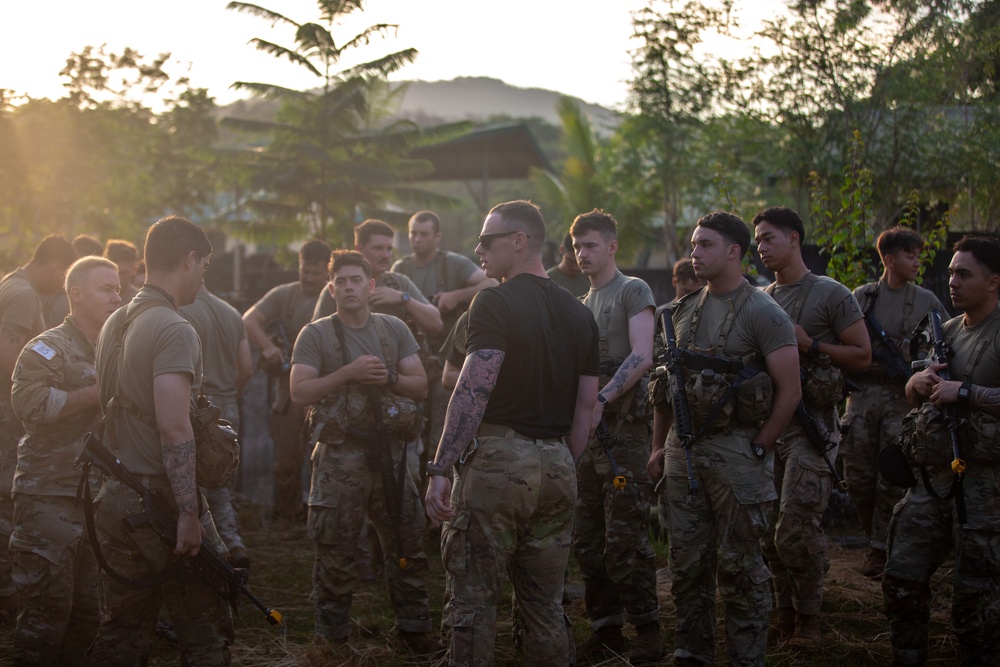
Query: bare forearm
point(312, 390)
point(426, 315)
point(662, 421)
point(628, 374)
point(848, 358)
point(179, 460)
point(256, 333)
point(78, 400)
point(783, 407)
point(411, 386)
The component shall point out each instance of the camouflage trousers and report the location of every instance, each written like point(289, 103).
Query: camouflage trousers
point(289, 456)
point(201, 618)
point(10, 434)
point(513, 503)
point(795, 545)
point(220, 501)
point(872, 422)
point(715, 539)
point(611, 535)
point(344, 491)
point(922, 534)
point(55, 574)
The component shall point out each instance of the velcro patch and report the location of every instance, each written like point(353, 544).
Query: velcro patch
point(43, 349)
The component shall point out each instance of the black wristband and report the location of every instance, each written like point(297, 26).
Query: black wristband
point(814, 348)
point(436, 471)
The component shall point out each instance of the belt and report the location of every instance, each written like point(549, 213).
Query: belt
point(501, 431)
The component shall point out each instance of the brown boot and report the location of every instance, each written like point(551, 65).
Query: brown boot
point(420, 643)
point(648, 645)
point(874, 564)
point(783, 626)
point(806, 635)
point(605, 641)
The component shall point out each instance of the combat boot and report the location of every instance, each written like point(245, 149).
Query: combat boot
point(648, 645)
point(806, 635)
point(605, 641)
point(420, 643)
point(874, 564)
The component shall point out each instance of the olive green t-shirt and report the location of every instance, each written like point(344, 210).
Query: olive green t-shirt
point(827, 309)
point(984, 370)
point(158, 342)
point(326, 305)
point(220, 328)
point(612, 305)
point(289, 304)
point(432, 279)
point(899, 311)
point(577, 285)
point(317, 344)
point(759, 328)
point(50, 366)
point(20, 306)
point(55, 308)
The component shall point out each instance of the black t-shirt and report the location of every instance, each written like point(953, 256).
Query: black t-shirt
point(549, 339)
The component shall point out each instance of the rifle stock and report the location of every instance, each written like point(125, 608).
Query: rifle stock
point(888, 353)
point(620, 482)
point(159, 515)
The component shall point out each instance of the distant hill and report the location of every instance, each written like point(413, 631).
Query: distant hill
point(467, 98)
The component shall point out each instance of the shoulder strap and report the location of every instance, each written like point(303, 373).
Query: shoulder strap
point(908, 300)
point(383, 336)
point(985, 338)
point(338, 331)
point(727, 325)
point(808, 281)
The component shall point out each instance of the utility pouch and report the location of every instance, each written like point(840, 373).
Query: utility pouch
point(704, 389)
point(823, 385)
point(753, 399)
point(981, 438)
point(216, 443)
point(924, 437)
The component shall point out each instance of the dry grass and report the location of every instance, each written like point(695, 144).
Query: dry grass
point(854, 628)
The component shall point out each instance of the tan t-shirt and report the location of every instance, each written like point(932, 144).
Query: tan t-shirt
point(899, 311)
point(158, 342)
point(612, 305)
point(220, 328)
point(317, 344)
point(577, 285)
point(433, 278)
point(984, 370)
point(827, 309)
point(289, 304)
point(20, 306)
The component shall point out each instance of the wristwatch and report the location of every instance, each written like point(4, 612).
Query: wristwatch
point(964, 390)
point(814, 348)
point(436, 471)
point(602, 399)
point(405, 298)
point(758, 450)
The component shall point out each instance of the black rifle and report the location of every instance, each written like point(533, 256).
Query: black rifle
point(886, 353)
point(619, 481)
point(819, 437)
point(942, 353)
point(160, 516)
point(379, 454)
point(671, 361)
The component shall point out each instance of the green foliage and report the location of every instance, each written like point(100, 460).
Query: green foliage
point(935, 239)
point(846, 233)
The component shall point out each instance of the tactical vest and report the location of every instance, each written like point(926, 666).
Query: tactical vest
point(406, 266)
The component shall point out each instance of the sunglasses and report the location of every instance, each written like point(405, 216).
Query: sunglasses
point(486, 239)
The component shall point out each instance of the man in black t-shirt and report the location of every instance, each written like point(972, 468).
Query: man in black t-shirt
point(526, 391)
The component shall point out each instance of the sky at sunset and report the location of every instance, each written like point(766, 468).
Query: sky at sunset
point(576, 47)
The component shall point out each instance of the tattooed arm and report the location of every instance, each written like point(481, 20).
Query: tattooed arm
point(465, 413)
point(12, 339)
point(636, 364)
point(986, 399)
point(172, 397)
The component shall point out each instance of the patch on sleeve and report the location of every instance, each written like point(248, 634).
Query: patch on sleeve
point(43, 349)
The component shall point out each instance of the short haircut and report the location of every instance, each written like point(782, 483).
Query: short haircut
point(523, 216)
point(899, 239)
point(567, 244)
point(170, 239)
point(783, 218)
point(730, 226)
point(341, 258)
point(427, 216)
point(986, 250)
point(121, 252)
point(684, 269)
point(364, 232)
point(85, 245)
point(595, 221)
point(54, 248)
point(315, 252)
point(79, 270)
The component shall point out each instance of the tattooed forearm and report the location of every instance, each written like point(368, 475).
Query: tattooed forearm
point(179, 460)
point(468, 403)
point(986, 399)
point(625, 377)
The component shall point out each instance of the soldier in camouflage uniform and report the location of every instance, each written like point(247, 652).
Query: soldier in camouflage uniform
point(875, 412)
point(55, 396)
point(228, 367)
point(518, 418)
point(715, 519)
point(832, 339)
point(611, 539)
point(925, 529)
point(335, 359)
point(21, 319)
point(287, 308)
